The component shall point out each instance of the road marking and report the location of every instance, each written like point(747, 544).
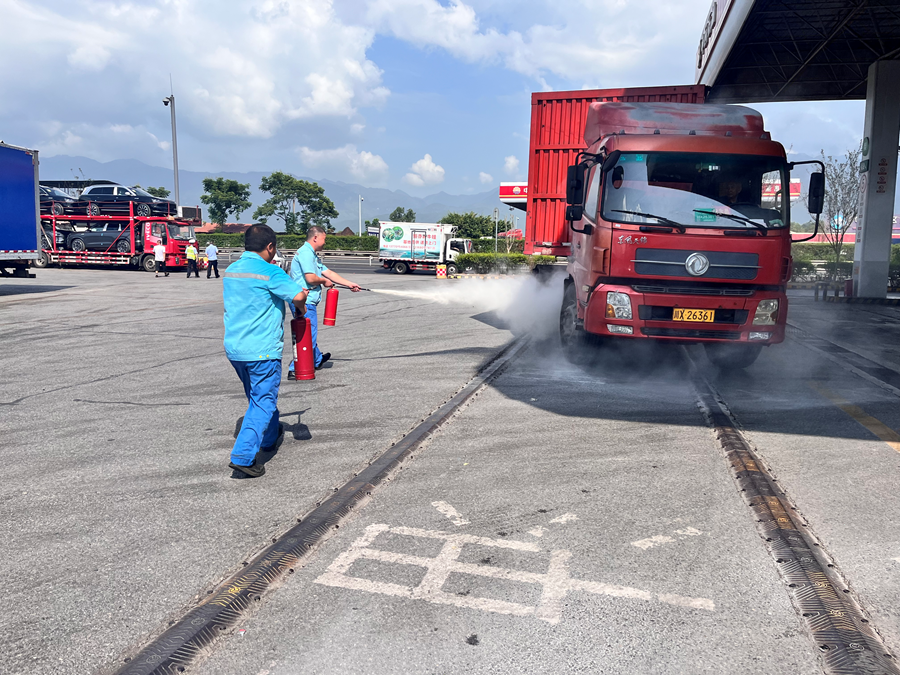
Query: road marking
point(565, 518)
point(896, 559)
point(555, 583)
point(689, 532)
point(455, 516)
point(650, 542)
point(876, 426)
point(538, 531)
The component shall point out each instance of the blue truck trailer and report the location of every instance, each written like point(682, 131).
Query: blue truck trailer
point(20, 215)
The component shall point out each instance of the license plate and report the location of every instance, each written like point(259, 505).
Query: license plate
point(696, 315)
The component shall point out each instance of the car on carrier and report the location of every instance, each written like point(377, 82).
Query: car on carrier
point(55, 201)
point(117, 199)
point(112, 236)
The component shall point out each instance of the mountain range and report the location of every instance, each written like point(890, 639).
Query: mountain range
point(377, 202)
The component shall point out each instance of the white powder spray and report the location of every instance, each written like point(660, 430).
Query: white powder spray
point(526, 304)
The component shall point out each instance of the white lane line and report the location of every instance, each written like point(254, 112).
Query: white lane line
point(689, 532)
point(537, 531)
point(650, 542)
point(455, 516)
point(565, 518)
point(555, 583)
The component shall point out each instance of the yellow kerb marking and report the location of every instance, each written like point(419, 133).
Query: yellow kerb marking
point(877, 427)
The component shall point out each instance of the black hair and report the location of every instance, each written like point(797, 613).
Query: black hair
point(258, 237)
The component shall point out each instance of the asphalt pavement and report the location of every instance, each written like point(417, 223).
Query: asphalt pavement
point(573, 517)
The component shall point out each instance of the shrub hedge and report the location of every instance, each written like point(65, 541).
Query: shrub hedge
point(487, 245)
point(500, 262)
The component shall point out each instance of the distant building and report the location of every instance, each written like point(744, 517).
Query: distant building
point(346, 232)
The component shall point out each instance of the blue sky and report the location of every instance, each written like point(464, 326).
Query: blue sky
point(419, 95)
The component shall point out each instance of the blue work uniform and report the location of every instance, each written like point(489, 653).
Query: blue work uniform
point(254, 293)
point(307, 261)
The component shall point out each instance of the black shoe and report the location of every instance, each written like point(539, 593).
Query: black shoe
point(325, 357)
point(278, 441)
point(252, 471)
point(292, 375)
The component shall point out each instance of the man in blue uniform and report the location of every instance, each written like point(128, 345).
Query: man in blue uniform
point(308, 270)
point(254, 292)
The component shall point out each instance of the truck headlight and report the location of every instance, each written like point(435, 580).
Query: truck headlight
point(765, 313)
point(618, 305)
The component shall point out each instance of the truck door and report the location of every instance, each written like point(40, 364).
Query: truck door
point(419, 243)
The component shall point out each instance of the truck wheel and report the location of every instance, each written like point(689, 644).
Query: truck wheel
point(452, 270)
point(123, 246)
point(143, 210)
point(401, 268)
point(77, 244)
point(43, 261)
point(149, 263)
point(572, 337)
point(731, 357)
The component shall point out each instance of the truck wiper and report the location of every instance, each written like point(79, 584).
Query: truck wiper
point(671, 223)
point(740, 219)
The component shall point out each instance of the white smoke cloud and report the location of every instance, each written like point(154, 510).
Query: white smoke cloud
point(424, 172)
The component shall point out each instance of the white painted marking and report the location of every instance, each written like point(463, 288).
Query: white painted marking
point(896, 559)
point(537, 531)
point(650, 542)
point(555, 583)
point(455, 516)
point(689, 532)
point(565, 518)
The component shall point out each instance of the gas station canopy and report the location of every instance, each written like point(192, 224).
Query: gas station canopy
point(794, 50)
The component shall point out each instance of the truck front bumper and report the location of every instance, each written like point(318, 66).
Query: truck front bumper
point(728, 318)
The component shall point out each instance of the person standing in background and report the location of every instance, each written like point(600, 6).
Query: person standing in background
point(191, 254)
point(212, 257)
point(159, 256)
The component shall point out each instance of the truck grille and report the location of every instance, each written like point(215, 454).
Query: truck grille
point(687, 333)
point(670, 263)
point(695, 290)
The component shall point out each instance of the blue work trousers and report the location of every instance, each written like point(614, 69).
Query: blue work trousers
point(260, 428)
point(313, 317)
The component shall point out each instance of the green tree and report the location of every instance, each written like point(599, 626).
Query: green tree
point(841, 201)
point(225, 196)
point(374, 223)
point(298, 203)
point(470, 225)
point(160, 192)
point(401, 215)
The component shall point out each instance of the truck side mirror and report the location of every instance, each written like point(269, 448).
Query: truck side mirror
point(816, 198)
point(574, 212)
point(575, 185)
point(611, 160)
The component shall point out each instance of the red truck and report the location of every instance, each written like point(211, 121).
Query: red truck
point(113, 240)
point(672, 217)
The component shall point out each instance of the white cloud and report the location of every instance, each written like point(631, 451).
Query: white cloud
point(361, 165)
point(511, 165)
point(424, 172)
point(485, 178)
point(91, 57)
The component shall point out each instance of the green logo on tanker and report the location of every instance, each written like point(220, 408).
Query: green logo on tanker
point(392, 233)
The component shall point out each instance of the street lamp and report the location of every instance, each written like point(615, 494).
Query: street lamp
point(166, 101)
point(361, 200)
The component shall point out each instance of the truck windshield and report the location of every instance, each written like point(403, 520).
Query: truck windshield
point(181, 231)
point(697, 190)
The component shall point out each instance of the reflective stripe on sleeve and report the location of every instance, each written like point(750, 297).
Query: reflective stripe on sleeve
point(245, 275)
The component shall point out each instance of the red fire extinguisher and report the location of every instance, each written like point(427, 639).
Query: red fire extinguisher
point(301, 338)
point(331, 300)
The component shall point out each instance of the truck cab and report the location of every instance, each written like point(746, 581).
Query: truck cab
point(677, 233)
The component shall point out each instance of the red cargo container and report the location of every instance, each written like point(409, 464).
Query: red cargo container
point(557, 128)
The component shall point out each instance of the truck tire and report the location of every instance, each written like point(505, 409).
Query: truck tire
point(148, 263)
point(77, 244)
point(43, 261)
point(452, 269)
point(401, 267)
point(573, 339)
point(731, 357)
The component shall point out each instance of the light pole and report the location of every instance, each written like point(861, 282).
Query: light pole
point(496, 218)
point(166, 102)
point(361, 200)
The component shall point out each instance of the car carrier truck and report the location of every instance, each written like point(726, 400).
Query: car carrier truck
point(19, 211)
point(420, 246)
point(126, 240)
point(665, 210)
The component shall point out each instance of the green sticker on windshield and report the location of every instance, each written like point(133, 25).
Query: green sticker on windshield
point(704, 216)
